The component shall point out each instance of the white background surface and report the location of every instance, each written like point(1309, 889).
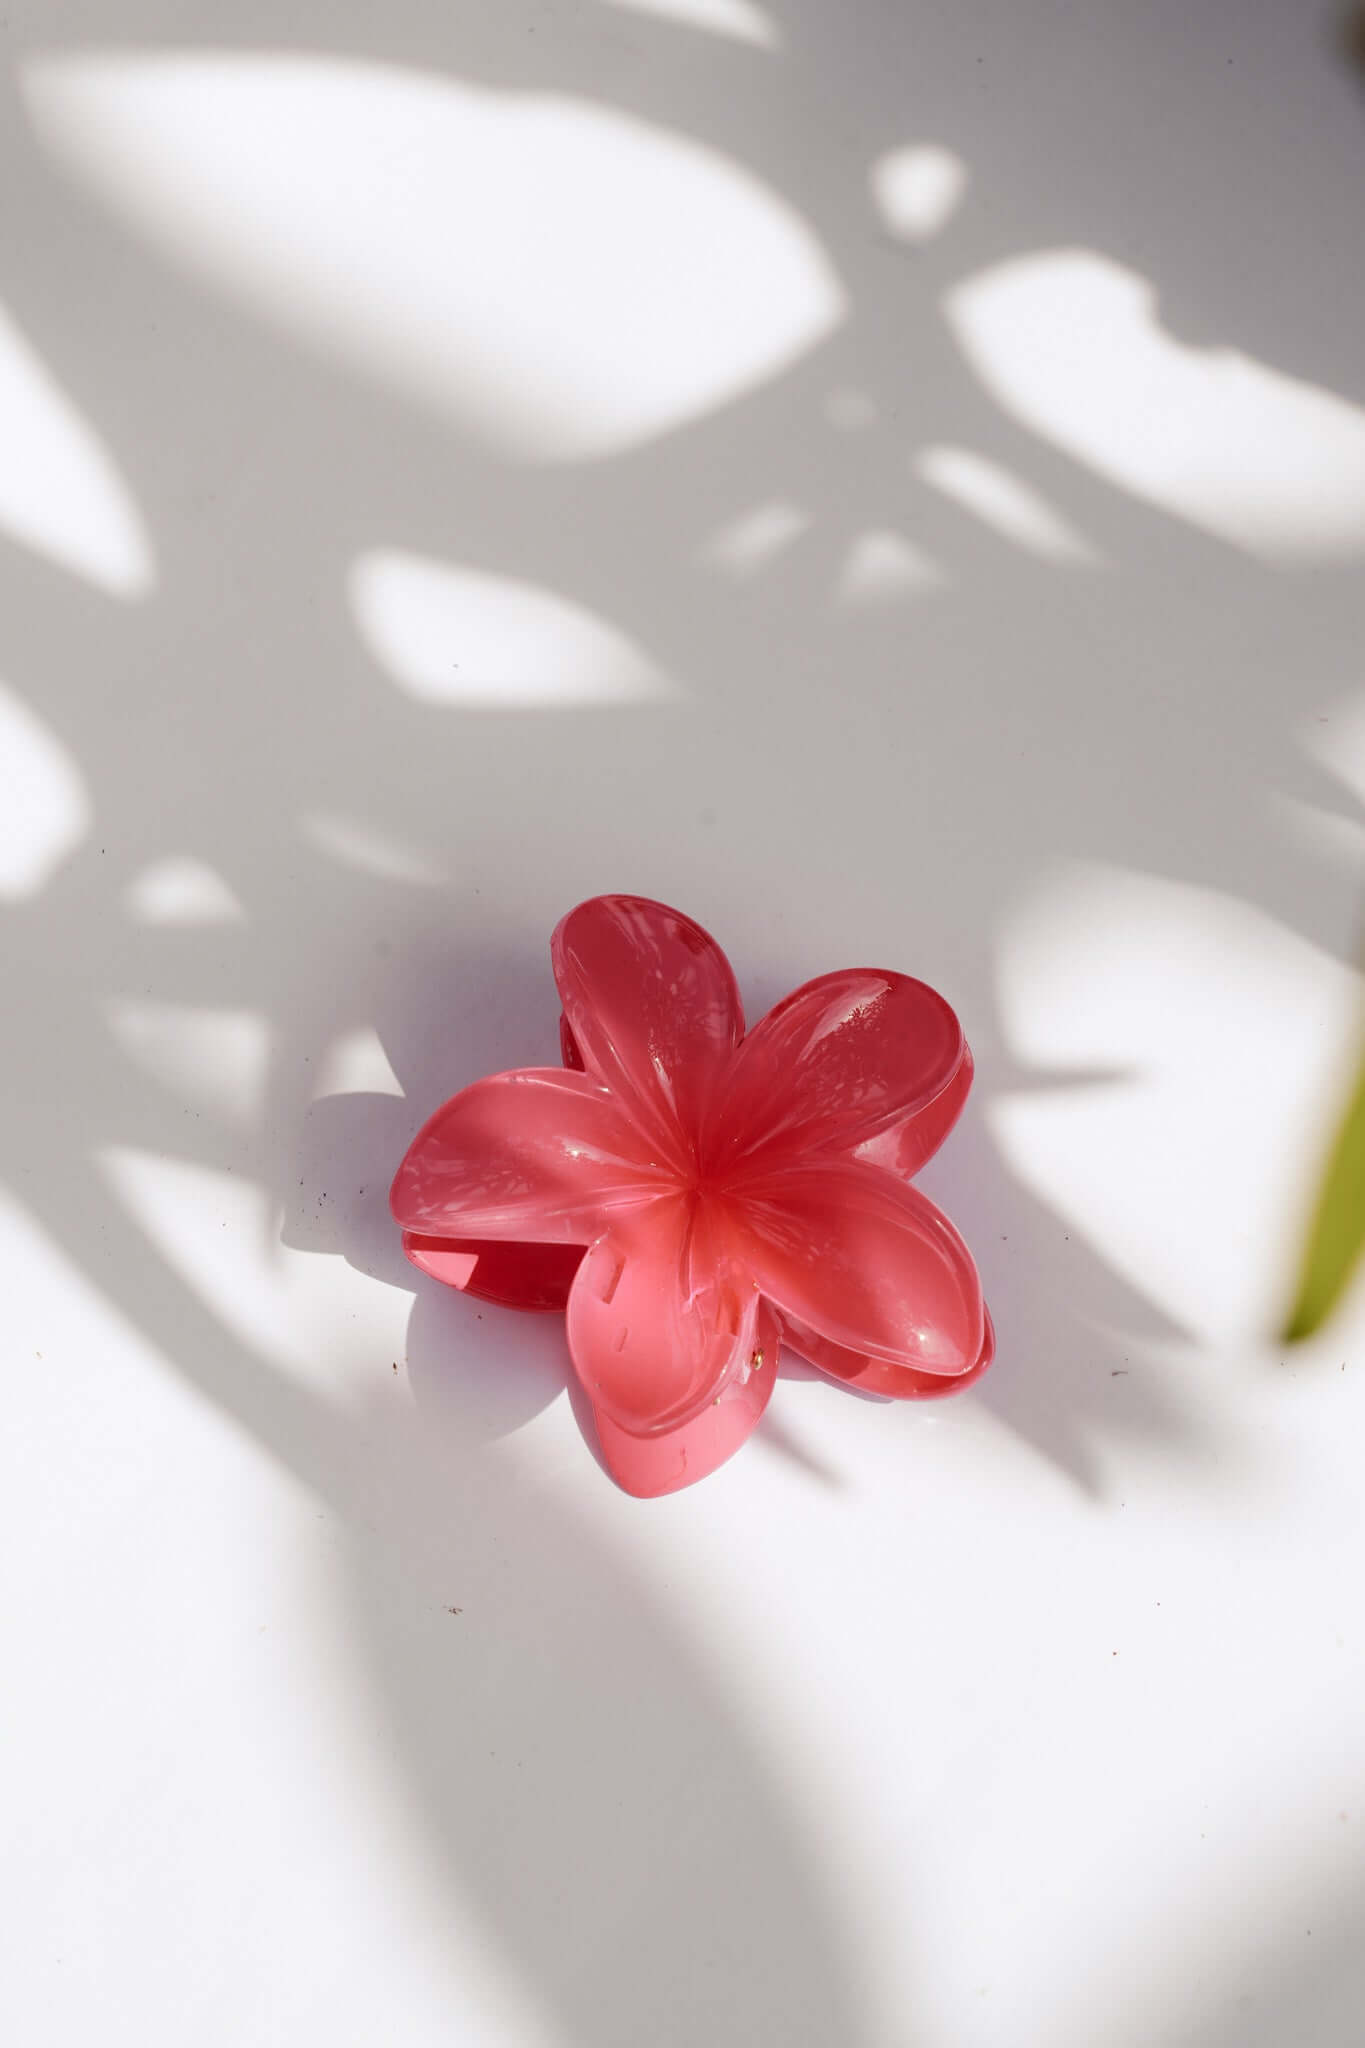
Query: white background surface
point(891, 480)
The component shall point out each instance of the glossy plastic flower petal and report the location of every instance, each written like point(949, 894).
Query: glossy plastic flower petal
point(542, 1155)
point(867, 1263)
point(651, 1465)
point(568, 1046)
point(903, 1148)
point(834, 1064)
point(535, 1277)
point(876, 1375)
point(731, 1193)
point(660, 1317)
point(652, 1007)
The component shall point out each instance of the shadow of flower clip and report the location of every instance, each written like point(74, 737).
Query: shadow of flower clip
point(733, 1192)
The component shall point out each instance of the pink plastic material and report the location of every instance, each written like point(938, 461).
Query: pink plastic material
point(693, 1197)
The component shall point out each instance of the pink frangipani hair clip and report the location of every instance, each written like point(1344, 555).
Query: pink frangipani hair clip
point(695, 1196)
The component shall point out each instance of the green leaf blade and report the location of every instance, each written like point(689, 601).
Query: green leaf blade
point(1336, 1238)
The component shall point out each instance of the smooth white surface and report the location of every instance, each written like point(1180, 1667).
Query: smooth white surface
point(521, 649)
point(496, 254)
point(59, 492)
point(1006, 585)
point(1069, 343)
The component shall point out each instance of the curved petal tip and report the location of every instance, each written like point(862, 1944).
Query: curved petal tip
point(650, 1466)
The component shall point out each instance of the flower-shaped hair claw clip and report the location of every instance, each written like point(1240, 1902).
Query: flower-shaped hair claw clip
point(695, 1196)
